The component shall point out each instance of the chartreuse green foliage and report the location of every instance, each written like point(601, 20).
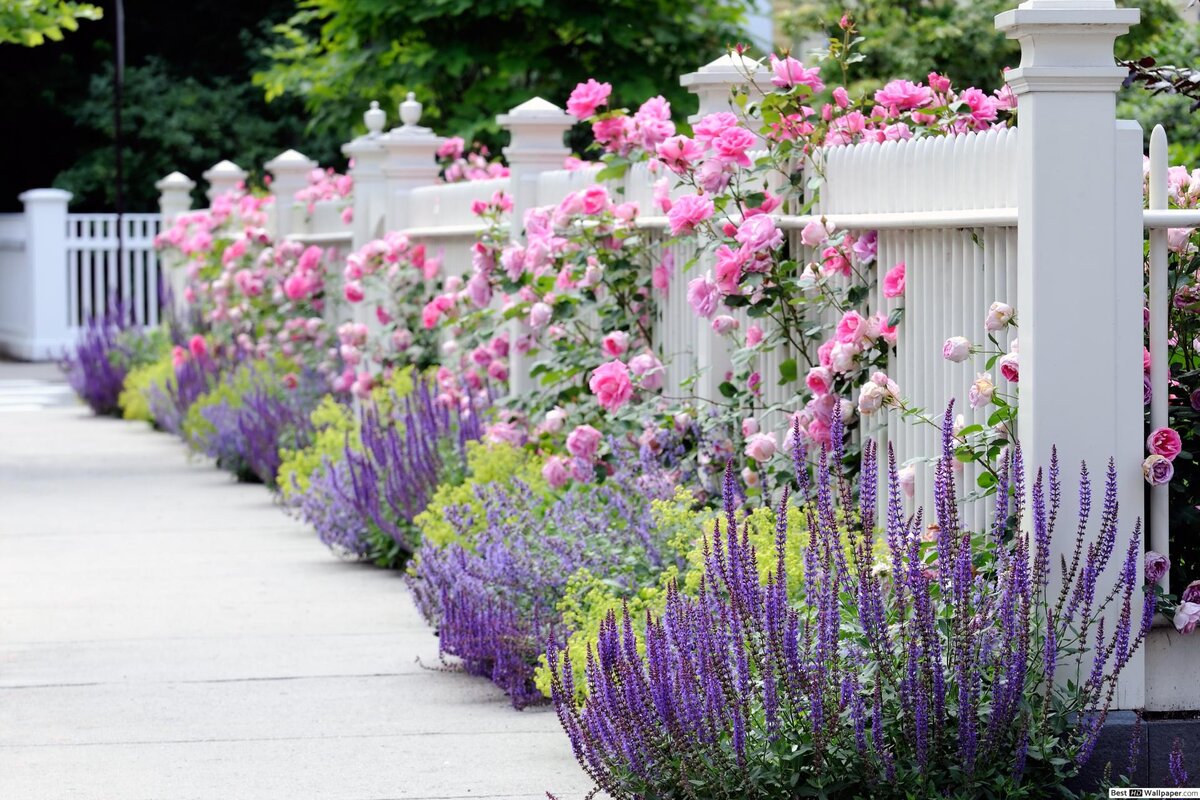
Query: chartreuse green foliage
point(231, 390)
point(590, 598)
point(335, 425)
point(486, 463)
point(33, 22)
point(133, 402)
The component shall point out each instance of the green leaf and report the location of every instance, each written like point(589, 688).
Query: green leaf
point(727, 389)
point(787, 371)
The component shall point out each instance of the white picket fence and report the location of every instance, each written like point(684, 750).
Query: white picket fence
point(58, 270)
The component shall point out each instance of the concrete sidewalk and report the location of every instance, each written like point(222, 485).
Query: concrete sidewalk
point(166, 633)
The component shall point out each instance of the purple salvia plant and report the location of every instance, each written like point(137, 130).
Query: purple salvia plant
point(914, 663)
point(97, 366)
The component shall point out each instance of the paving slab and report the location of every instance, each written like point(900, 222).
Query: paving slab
point(168, 633)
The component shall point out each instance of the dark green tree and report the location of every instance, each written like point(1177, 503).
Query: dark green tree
point(469, 60)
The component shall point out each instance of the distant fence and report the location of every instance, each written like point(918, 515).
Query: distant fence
point(57, 270)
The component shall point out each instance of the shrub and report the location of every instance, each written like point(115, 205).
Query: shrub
point(248, 416)
point(493, 593)
point(108, 349)
point(924, 665)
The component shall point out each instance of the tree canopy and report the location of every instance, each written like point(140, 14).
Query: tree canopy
point(33, 22)
point(469, 60)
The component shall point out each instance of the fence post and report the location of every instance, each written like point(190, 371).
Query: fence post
point(49, 331)
point(367, 154)
point(175, 199)
point(290, 171)
point(222, 177)
point(1079, 276)
point(713, 85)
point(411, 161)
point(537, 128)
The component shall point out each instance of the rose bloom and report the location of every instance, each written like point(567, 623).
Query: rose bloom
point(703, 295)
point(1192, 593)
point(724, 324)
point(732, 144)
point(998, 317)
point(819, 380)
point(1164, 442)
point(1010, 367)
point(908, 480)
point(749, 427)
point(587, 97)
point(870, 398)
point(649, 369)
point(555, 472)
point(505, 433)
point(814, 234)
point(981, 390)
point(749, 477)
point(1156, 566)
point(1187, 616)
point(760, 447)
point(678, 153)
point(754, 335)
point(759, 233)
point(555, 418)
point(611, 385)
point(688, 212)
point(956, 349)
point(615, 344)
point(583, 441)
point(1157, 470)
point(539, 314)
point(197, 346)
point(893, 282)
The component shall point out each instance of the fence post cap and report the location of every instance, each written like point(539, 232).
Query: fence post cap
point(223, 169)
point(45, 196)
point(731, 68)
point(290, 161)
point(374, 118)
point(538, 111)
point(176, 180)
point(1096, 17)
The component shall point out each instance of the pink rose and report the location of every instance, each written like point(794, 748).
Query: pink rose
point(539, 314)
point(759, 233)
point(1156, 566)
point(1164, 442)
point(1010, 367)
point(615, 344)
point(999, 316)
point(760, 447)
point(724, 324)
point(908, 480)
point(893, 282)
point(679, 152)
point(1157, 470)
point(555, 419)
point(179, 356)
point(555, 472)
point(819, 380)
point(729, 269)
point(505, 433)
point(789, 72)
point(754, 335)
point(1191, 594)
point(956, 349)
point(853, 328)
point(595, 199)
point(1187, 616)
point(688, 212)
point(749, 427)
point(353, 292)
point(583, 441)
point(981, 390)
point(903, 95)
point(479, 290)
point(703, 295)
point(649, 370)
point(197, 346)
point(611, 385)
point(587, 97)
point(713, 125)
point(814, 234)
point(714, 175)
point(732, 144)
